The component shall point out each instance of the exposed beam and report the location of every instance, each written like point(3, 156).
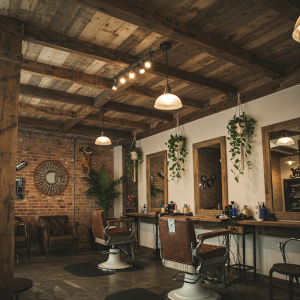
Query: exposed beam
point(227, 103)
point(77, 129)
point(137, 110)
point(286, 150)
point(288, 8)
point(145, 17)
point(47, 111)
point(53, 95)
point(81, 114)
point(75, 46)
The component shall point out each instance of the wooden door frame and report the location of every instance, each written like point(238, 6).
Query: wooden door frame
point(266, 132)
point(196, 146)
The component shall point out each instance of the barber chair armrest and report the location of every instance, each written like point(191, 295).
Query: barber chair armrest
point(119, 220)
point(71, 228)
point(208, 235)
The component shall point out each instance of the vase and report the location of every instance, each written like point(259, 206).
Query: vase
point(239, 129)
point(179, 145)
point(133, 155)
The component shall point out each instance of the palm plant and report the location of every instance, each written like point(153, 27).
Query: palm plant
point(102, 188)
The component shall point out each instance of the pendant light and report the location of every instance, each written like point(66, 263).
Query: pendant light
point(285, 140)
point(167, 101)
point(103, 140)
point(296, 32)
point(290, 161)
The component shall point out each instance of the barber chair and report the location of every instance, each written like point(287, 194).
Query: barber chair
point(117, 238)
point(180, 251)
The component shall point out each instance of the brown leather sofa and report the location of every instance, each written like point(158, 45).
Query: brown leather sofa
point(56, 231)
point(22, 238)
point(115, 237)
point(181, 251)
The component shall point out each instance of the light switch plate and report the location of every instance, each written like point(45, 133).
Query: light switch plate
point(171, 225)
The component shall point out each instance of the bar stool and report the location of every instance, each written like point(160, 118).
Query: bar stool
point(291, 270)
point(21, 285)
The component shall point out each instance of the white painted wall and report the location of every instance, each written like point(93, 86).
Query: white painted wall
point(271, 109)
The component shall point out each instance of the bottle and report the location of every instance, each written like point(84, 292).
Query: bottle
point(246, 211)
point(185, 209)
point(233, 211)
point(230, 210)
point(145, 209)
point(258, 212)
point(171, 208)
point(264, 212)
point(162, 208)
point(226, 210)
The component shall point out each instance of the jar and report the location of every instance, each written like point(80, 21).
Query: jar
point(246, 211)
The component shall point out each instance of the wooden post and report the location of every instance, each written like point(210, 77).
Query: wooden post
point(11, 33)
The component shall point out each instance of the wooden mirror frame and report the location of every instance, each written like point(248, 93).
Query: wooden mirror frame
point(148, 157)
point(222, 141)
point(266, 132)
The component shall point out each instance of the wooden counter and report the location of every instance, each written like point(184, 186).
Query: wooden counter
point(270, 223)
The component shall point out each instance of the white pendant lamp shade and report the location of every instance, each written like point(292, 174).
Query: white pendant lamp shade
point(296, 32)
point(285, 140)
point(168, 101)
point(290, 161)
point(103, 140)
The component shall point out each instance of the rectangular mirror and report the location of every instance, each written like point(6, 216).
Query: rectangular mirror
point(281, 167)
point(210, 176)
point(157, 180)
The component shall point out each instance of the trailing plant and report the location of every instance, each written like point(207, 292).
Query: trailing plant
point(102, 188)
point(176, 156)
point(240, 140)
point(133, 164)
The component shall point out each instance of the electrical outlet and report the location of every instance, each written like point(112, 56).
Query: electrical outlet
point(279, 246)
point(274, 247)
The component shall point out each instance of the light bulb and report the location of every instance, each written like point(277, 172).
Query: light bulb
point(122, 80)
point(290, 162)
point(142, 70)
point(114, 87)
point(147, 64)
point(131, 75)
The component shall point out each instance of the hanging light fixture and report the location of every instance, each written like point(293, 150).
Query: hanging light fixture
point(142, 69)
point(290, 161)
point(296, 32)
point(167, 101)
point(122, 80)
point(285, 140)
point(131, 74)
point(103, 140)
point(115, 86)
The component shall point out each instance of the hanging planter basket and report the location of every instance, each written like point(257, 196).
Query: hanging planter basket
point(241, 130)
point(176, 154)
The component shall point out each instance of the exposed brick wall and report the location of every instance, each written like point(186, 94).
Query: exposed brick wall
point(209, 163)
point(36, 148)
point(276, 183)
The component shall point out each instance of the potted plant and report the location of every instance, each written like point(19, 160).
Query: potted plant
point(241, 131)
point(176, 156)
point(134, 158)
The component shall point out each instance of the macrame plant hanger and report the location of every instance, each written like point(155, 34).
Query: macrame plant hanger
point(238, 112)
point(133, 156)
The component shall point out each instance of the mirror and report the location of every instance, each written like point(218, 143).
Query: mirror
point(281, 166)
point(157, 180)
point(51, 177)
point(210, 175)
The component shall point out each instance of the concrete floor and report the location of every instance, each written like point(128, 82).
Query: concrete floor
point(52, 282)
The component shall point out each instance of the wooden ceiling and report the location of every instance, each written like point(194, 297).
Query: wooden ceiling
point(72, 49)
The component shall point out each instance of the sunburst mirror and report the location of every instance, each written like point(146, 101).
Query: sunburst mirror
point(51, 177)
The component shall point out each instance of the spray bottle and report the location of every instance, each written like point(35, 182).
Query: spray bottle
point(264, 212)
point(258, 212)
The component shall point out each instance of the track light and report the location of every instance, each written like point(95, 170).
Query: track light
point(115, 87)
point(122, 80)
point(142, 69)
point(147, 64)
point(131, 74)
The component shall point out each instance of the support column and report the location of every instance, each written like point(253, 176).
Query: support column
point(11, 34)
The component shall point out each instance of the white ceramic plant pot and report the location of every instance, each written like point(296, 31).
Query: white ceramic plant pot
point(133, 155)
point(239, 129)
point(180, 145)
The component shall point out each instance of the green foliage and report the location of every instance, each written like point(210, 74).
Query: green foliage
point(245, 139)
point(130, 164)
point(176, 157)
point(102, 188)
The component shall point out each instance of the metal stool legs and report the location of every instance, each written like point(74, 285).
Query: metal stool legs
point(271, 284)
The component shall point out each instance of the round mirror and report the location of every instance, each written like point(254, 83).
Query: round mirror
point(51, 177)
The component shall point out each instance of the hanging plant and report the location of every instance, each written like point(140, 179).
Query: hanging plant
point(241, 130)
point(176, 154)
point(134, 158)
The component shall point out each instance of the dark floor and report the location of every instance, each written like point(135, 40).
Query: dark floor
point(51, 281)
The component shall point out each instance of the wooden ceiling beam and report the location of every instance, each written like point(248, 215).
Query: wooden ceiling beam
point(137, 110)
point(286, 150)
point(227, 103)
point(288, 8)
point(145, 17)
point(53, 95)
point(63, 42)
point(77, 129)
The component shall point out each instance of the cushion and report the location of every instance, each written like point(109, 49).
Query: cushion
point(207, 251)
point(56, 224)
point(118, 232)
point(62, 240)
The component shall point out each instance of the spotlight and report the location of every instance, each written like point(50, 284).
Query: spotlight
point(122, 80)
point(148, 64)
point(115, 87)
point(131, 74)
point(142, 70)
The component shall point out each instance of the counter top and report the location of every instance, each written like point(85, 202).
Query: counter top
point(270, 223)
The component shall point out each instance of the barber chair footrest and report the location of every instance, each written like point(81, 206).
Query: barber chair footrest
point(192, 291)
point(114, 262)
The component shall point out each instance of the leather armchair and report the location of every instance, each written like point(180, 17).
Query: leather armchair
point(56, 231)
point(116, 238)
point(22, 238)
point(181, 251)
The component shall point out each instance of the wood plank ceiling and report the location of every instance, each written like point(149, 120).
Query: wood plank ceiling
point(72, 49)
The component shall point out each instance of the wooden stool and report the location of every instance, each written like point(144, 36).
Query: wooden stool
point(21, 285)
point(5, 294)
point(291, 270)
